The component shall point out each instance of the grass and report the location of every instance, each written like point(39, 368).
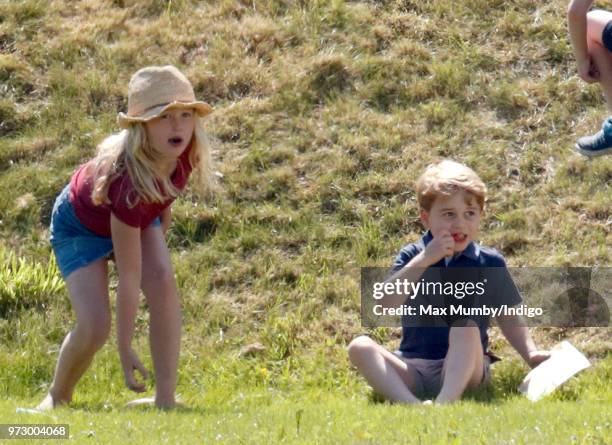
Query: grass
point(226, 408)
point(326, 113)
point(314, 417)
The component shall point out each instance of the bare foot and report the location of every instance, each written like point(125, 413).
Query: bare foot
point(49, 403)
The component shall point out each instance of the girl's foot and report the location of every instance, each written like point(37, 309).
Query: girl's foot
point(49, 403)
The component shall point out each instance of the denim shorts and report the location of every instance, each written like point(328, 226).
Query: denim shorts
point(75, 246)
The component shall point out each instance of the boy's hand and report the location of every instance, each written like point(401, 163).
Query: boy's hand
point(440, 247)
point(131, 363)
point(536, 357)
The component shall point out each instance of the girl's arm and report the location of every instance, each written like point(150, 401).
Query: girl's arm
point(166, 219)
point(127, 250)
point(577, 23)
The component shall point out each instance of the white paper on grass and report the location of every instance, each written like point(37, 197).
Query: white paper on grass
point(565, 361)
point(28, 411)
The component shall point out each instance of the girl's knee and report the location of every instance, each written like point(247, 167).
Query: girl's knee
point(92, 334)
point(161, 277)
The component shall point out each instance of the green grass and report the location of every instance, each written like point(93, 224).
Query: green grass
point(216, 414)
point(224, 410)
point(326, 419)
point(326, 113)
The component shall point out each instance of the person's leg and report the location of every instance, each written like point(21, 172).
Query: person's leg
point(602, 56)
point(88, 290)
point(599, 40)
point(386, 373)
point(159, 287)
point(463, 365)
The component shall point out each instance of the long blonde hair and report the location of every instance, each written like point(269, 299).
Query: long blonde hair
point(129, 150)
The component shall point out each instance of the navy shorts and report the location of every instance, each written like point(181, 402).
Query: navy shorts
point(606, 36)
point(74, 245)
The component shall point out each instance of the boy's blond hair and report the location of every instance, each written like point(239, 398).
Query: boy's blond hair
point(129, 150)
point(443, 178)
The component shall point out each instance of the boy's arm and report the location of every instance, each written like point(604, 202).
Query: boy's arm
point(439, 247)
point(577, 24)
point(514, 329)
point(411, 272)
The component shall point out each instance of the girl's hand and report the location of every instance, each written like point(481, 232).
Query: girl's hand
point(440, 247)
point(537, 357)
point(131, 363)
point(587, 70)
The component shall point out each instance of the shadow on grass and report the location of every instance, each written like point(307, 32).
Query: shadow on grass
point(94, 407)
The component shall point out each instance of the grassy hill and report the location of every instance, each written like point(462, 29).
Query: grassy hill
point(326, 113)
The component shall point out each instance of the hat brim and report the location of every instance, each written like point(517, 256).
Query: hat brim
point(201, 108)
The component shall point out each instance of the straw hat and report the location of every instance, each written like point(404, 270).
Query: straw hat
point(154, 89)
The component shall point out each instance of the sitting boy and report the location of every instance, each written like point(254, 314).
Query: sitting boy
point(446, 359)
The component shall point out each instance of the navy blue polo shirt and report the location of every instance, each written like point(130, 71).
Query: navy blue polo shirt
point(431, 342)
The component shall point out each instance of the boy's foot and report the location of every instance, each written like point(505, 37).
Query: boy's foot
point(595, 145)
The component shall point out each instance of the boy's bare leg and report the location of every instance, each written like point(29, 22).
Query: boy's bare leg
point(159, 287)
point(596, 22)
point(603, 60)
point(463, 365)
point(88, 290)
point(386, 373)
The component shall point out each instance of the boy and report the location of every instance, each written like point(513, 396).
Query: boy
point(447, 359)
point(591, 36)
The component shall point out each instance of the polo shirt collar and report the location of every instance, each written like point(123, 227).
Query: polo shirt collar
point(472, 251)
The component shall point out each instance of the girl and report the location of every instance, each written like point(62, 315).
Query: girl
point(591, 36)
point(119, 203)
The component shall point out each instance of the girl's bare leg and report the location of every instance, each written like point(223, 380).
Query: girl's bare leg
point(88, 291)
point(159, 287)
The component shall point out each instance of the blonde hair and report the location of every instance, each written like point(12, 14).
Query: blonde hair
point(443, 178)
point(129, 150)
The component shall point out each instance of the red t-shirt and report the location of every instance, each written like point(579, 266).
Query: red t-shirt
point(97, 217)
